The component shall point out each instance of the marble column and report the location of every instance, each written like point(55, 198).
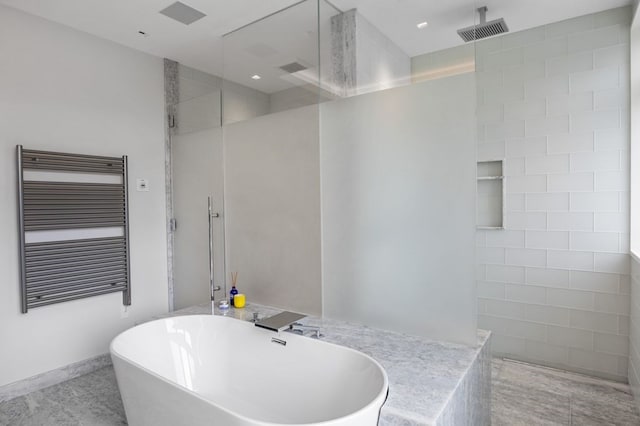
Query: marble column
point(171, 99)
point(343, 53)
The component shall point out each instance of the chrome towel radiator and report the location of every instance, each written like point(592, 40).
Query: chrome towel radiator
point(68, 269)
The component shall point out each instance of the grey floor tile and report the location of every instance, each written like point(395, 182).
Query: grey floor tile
point(515, 404)
point(533, 395)
point(13, 411)
point(535, 378)
point(89, 400)
point(587, 412)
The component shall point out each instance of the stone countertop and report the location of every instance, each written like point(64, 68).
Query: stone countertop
point(423, 373)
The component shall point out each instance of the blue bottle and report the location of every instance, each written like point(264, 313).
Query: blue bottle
point(232, 294)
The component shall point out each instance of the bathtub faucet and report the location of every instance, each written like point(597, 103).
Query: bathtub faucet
point(288, 321)
point(279, 322)
point(305, 330)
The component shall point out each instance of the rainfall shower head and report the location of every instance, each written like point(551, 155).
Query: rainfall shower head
point(484, 29)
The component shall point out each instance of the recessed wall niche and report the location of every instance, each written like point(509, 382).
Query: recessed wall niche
point(490, 184)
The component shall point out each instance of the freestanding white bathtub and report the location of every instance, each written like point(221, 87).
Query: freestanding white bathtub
point(213, 370)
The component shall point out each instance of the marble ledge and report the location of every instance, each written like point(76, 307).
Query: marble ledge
point(430, 382)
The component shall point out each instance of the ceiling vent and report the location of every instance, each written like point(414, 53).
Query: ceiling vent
point(293, 67)
point(182, 13)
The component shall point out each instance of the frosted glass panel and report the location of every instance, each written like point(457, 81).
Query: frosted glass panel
point(272, 206)
point(398, 171)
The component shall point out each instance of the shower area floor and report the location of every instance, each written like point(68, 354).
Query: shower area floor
point(523, 394)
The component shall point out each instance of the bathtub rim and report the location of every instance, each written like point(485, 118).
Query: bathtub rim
point(383, 395)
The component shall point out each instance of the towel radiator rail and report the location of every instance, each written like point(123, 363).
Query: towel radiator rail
point(62, 270)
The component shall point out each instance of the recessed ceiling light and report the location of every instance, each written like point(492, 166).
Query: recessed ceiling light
point(422, 25)
point(256, 77)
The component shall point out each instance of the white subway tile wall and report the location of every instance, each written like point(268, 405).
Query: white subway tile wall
point(554, 285)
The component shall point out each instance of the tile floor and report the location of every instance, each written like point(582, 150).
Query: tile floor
point(522, 395)
point(89, 400)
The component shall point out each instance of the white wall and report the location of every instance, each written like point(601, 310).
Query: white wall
point(64, 90)
point(272, 208)
point(398, 209)
point(554, 102)
point(443, 63)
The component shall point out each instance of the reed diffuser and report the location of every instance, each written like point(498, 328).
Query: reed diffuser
point(234, 290)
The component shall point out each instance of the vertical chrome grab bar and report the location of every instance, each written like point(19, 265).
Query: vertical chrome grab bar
point(211, 215)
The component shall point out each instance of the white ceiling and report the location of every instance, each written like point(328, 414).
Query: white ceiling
point(198, 45)
point(398, 18)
